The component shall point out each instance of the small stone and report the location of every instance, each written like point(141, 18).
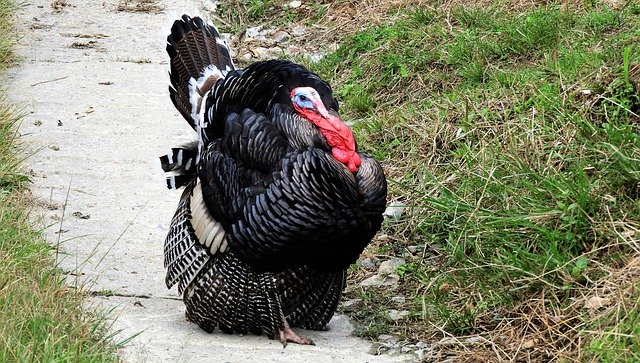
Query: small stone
point(474, 340)
point(368, 264)
point(253, 32)
point(398, 299)
point(295, 4)
point(246, 57)
point(387, 340)
point(376, 349)
point(390, 266)
point(351, 305)
point(281, 37)
point(59, 123)
point(374, 280)
point(422, 345)
point(529, 344)
point(394, 351)
point(396, 315)
point(261, 52)
point(377, 281)
point(596, 302)
point(293, 50)
point(81, 215)
point(298, 31)
point(266, 53)
point(406, 349)
point(421, 353)
point(413, 249)
point(444, 288)
point(394, 210)
point(316, 56)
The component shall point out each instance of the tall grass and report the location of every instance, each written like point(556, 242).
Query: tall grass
point(514, 134)
point(41, 319)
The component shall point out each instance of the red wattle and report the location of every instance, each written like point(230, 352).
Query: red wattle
point(340, 155)
point(349, 158)
point(337, 133)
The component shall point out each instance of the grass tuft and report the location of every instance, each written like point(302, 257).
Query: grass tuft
point(511, 131)
point(42, 319)
point(513, 134)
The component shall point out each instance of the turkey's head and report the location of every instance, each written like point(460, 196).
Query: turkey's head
point(307, 102)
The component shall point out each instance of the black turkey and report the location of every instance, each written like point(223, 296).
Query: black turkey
point(277, 201)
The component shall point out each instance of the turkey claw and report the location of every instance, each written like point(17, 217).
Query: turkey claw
point(288, 335)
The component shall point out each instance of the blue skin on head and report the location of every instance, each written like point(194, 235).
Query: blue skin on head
point(307, 102)
point(303, 101)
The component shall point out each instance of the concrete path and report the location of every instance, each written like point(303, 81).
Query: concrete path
point(93, 84)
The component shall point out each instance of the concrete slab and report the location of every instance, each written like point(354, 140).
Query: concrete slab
point(93, 86)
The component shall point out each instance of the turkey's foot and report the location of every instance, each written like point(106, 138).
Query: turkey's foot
point(288, 335)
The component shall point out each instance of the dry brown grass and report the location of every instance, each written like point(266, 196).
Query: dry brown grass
point(552, 324)
point(140, 6)
point(353, 16)
point(539, 329)
point(540, 324)
point(59, 5)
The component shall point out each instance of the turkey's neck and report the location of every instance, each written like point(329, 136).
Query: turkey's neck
point(339, 137)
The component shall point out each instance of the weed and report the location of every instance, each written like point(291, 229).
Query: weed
point(514, 137)
point(42, 319)
point(511, 130)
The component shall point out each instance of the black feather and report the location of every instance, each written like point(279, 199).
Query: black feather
point(193, 46)
point(291, 218)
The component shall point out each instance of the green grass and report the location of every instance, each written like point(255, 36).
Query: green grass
point(616, 337)
point(514, 133)
point(236, 15)
point(41, 319)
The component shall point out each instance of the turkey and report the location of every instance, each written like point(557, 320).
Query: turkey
point(277, 201)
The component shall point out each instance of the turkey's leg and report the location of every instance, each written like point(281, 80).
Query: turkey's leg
point(288, 335)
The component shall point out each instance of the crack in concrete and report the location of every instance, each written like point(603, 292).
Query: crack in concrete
point(137, 296)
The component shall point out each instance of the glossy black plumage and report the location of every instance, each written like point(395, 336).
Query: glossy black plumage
point(269, 220)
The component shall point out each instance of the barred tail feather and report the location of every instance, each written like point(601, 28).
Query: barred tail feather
point(182, 162)
point(229, 295)
point(178, 181)
point(310, 297)
point(184, 258)
point(180, 159)
point(198, 58)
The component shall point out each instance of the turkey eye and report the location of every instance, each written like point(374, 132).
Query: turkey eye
point(303, 98)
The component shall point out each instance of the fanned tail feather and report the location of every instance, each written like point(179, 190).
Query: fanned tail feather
point(198, 58)
point(310, 296)
point(219, 291)
point(229, 295)
point(184, 257)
